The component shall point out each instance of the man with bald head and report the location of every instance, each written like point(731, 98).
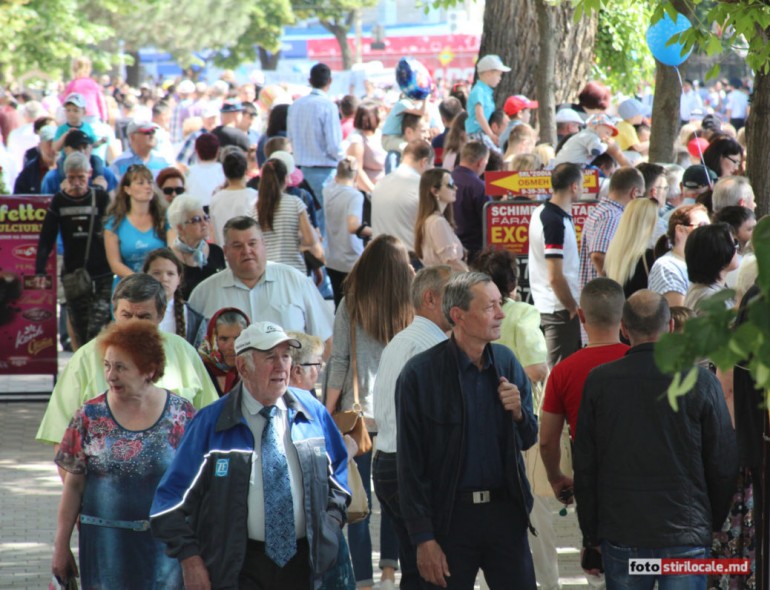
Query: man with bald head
point(651, 481)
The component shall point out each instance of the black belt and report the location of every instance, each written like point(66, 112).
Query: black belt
point(483, 496)
point(324, 167)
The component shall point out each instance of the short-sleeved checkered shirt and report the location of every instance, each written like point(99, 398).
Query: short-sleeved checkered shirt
point(600, 227)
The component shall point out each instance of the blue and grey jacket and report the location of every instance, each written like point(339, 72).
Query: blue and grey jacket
point(201, 505)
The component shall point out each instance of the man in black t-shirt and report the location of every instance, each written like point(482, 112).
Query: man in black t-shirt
point(71, 214)
point(228, 132)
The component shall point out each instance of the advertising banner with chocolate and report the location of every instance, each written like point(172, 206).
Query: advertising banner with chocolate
point(27, 313)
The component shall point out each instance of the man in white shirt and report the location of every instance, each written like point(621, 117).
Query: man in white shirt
point(689, 102)
point(427, 330)
point(554, 263)
point(396, 197)
point(263, 290)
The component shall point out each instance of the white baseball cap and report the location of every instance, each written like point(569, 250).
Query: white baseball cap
point(263, 336)
point(491, 62)
point(569, 116)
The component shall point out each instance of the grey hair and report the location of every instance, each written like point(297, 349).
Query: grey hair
point(309, 345)
point(77, 162)
point(140, 287)
point(730, 191)
point(241, 223)
point(232, 317)
point(458, 291)
point(429, 279)
point(181, 207)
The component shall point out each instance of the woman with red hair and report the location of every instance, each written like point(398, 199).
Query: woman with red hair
point(114, 452)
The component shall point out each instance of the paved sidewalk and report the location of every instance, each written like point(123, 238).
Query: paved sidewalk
point(30, 491)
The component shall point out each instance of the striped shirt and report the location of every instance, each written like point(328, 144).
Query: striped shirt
point(598, 231)
point(418, 337)
point(282, 242)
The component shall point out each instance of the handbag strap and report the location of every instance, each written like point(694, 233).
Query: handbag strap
point(354, 361)
point(90, 227)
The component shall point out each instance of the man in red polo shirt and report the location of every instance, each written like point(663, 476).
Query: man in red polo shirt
point(601, 306)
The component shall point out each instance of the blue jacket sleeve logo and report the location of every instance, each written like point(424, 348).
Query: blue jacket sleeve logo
point(222, 467)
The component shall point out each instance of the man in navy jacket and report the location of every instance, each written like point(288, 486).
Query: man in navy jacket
point(464, 411)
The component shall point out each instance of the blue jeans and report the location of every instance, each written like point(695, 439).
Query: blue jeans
point(616, 574)
point(318, 178)
point(385, 480)
point(358, 534)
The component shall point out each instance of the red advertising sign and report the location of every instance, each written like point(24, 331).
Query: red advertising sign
point(450, 57)
point(27, 314)
point(506, 223)
point(527, 183)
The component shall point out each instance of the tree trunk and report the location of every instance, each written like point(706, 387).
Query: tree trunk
point(545, 84)
point(665, 114)
point(511, 31)
point(340, 32)
point(757, 139)
point(269, 60)
point(665, 107)
point(133, 70)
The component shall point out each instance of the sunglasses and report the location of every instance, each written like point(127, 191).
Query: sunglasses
point(319, 365)
point(450, 185)
point(198, 219)
point(147, 132)
point(173, 190)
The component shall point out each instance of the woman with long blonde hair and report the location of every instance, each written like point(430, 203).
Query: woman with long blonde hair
point(629, 259)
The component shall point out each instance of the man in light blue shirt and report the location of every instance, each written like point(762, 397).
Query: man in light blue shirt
point(427, 330)
point(313, 127)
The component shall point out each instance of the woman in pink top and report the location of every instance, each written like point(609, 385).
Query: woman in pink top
point(83, 84)
point(435, 241)
point(366, 147)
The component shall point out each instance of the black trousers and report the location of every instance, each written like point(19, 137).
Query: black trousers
point(261, 573)
point(337, 278)
point(490, 537)
point(384, 477)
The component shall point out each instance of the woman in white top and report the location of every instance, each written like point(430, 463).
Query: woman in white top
point(283, 219)
point(206, 176)
point(435, 241)
point(668, 276)
point(236, 198)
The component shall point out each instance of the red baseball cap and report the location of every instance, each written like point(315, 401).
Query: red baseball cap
point(517, 103)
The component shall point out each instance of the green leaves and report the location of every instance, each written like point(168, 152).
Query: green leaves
point(622, 58)
point(712, 335)
point(680, 387)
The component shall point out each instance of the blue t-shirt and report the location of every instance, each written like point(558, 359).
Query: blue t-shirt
point(134, 244)
point(84, 127)
point(392, 124)
point(482, 94)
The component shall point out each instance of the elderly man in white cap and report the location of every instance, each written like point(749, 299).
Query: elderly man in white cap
point(256, 495)
point(142, 139)
point(568, 122)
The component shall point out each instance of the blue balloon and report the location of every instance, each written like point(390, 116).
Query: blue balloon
point(413, 78)
point(659, 34)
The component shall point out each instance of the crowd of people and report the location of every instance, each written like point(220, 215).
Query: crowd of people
point(241, 247)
